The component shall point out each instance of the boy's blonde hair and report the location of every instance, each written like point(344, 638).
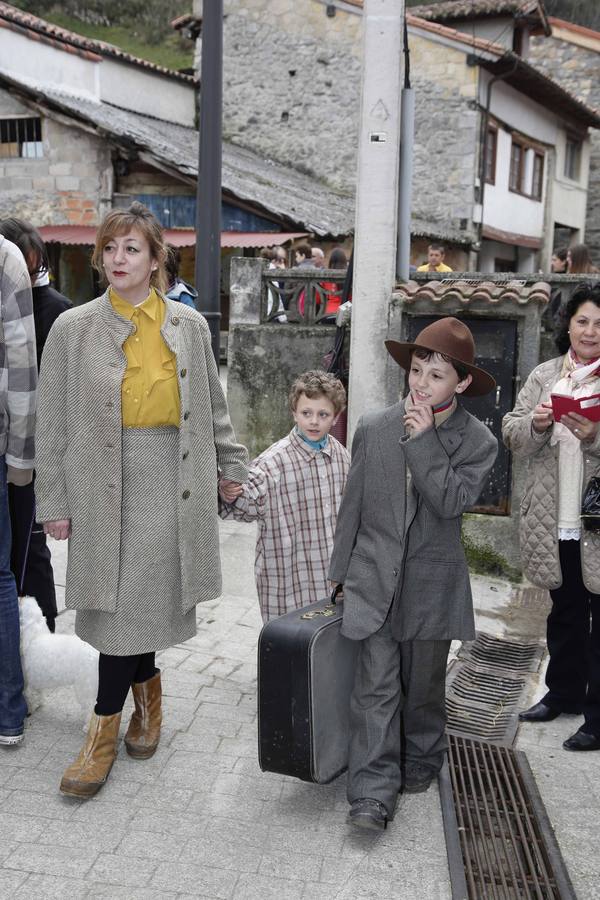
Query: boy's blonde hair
point(121, 221)
point(317, 383)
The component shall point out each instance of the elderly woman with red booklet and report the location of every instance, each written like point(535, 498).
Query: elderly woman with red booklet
point(563, 453)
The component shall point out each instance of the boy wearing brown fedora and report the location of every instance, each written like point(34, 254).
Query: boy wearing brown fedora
point(416, 467)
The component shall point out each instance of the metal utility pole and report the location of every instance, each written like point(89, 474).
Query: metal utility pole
point(376, 205)
point(208, 191)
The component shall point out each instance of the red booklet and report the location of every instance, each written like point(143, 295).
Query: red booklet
point(589, 407)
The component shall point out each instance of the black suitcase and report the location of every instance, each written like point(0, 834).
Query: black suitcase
point(305, 678)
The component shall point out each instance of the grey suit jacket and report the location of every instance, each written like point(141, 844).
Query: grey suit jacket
point(394, 544)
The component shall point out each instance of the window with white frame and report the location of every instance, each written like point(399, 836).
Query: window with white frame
point(21, 138)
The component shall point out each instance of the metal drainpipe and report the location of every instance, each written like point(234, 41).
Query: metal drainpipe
point(208, 192)
point(482, 141)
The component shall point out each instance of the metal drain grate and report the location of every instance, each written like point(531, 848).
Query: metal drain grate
point(482, 703)
point(499, 653)
point(485, 685)
point(500, 843)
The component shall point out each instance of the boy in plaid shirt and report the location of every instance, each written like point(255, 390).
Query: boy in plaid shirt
point(293, 491)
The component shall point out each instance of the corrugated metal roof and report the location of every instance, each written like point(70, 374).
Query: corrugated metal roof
point(179, 237)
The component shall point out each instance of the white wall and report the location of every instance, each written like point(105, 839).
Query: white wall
point(124, 85)
point(498, 30)
point(40, 63)
point(569, 198)
point(505, 209)
point(147, 92)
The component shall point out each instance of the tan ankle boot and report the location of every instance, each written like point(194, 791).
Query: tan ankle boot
point(143, 734)
point(89, 772)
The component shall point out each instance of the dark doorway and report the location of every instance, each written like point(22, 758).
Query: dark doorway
point(496, 343)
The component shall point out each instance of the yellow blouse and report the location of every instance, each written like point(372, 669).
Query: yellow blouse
point(150, 392)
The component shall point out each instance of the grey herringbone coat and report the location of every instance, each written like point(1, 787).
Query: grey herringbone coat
point(394, 544)
point(79, 465)
point(538, 524)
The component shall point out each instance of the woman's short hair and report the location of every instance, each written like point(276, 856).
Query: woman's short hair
point(30, 243)
point(304, 249)
point(561, 253)
point(121, 221)
point(582, 294)
point(317, 383)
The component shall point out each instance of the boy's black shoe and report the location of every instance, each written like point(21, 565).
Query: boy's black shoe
point(581, 740)
point(417, 777)
point(539, 712)
point(367, 813)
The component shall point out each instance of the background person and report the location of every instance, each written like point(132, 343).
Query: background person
point(331, 290)
point(435, 260)
point(177, 288)
point(18, 378)
point(31, 558)
point(133, 431)
point(562, 457)
point(318, 257)
point(558, 263)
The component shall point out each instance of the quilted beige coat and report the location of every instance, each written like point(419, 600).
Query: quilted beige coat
point(538, 525)
point(78, 435)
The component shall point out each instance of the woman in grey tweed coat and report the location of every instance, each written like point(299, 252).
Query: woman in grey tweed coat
point(137, 497)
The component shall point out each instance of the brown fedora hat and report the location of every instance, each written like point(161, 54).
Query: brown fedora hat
point(451, 338)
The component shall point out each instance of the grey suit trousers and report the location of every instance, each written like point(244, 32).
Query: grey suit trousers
point(397, 713)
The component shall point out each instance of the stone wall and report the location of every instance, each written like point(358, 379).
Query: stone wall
point(67, 186)
point(292, 84)
point(578, 70)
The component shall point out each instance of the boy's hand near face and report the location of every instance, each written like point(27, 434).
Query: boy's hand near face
point(418, 419)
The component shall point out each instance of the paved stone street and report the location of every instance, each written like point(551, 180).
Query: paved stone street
point(199, 819)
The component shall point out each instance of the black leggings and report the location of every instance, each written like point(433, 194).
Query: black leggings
point(116, 674)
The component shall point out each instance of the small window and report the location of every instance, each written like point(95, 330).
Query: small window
point(491, 146)
point(21, 138)
point(572, 158)
point(537, 185)
point(517, 159)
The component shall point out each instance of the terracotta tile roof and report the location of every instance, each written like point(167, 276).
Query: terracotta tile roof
point(11, 17)
point(472, 9)
point(468, 291)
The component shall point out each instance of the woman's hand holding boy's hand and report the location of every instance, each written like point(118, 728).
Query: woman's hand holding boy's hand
point(542, 417)
point(230, 490)
point(418, 419)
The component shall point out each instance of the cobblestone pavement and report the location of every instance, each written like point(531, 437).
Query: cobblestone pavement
point(200, 819)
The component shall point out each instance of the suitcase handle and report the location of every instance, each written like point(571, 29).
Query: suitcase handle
point(337, 590)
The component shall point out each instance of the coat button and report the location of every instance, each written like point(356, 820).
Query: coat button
point(396, 573)
point(185, 495)
point(183, 373)
point(185, 455)
point(110, 404)
point(186, 415)
point(175, 320)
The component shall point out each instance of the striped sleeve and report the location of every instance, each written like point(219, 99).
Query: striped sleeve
point(18, 371)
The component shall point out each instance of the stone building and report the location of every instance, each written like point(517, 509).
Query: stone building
point(572, 57)
point(85, 127)
point(292, 91)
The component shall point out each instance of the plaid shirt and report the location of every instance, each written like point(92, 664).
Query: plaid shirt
point(18, 363)
point(294, 492)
